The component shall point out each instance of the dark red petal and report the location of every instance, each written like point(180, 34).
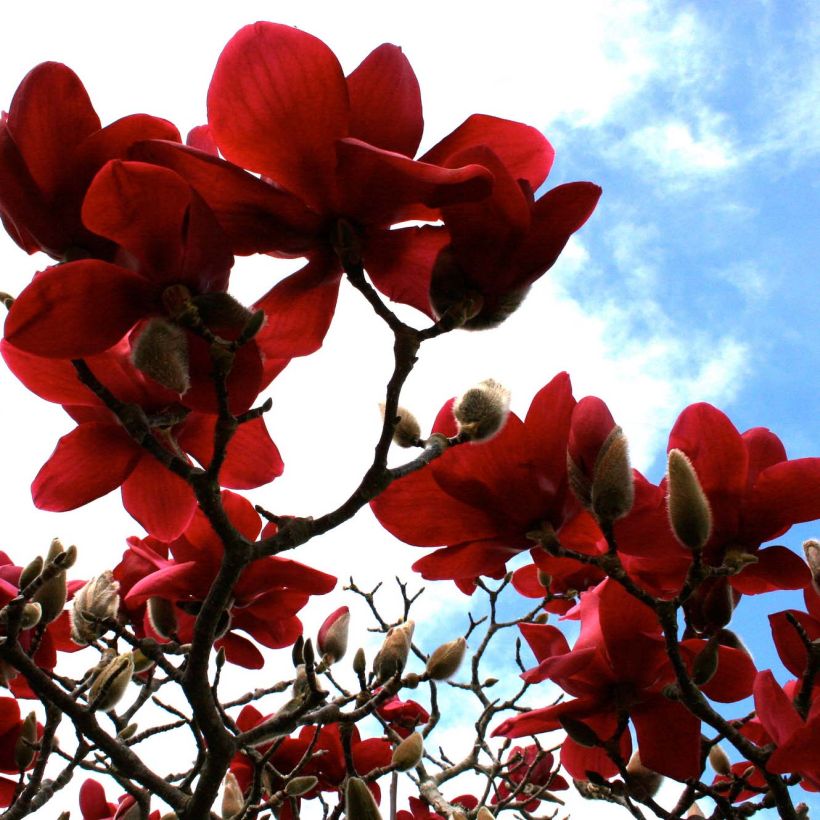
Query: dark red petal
point(93, 804)
point(87, 463)
point(787, 640)
point(9, 714)
point(269, 573)
point(50, 115)
point(776, 568)
point(8, 790)
point(276, 104)
point(591, 425)
point(241, 514)
point(174, 581)
point(299, 310)
point(668, 737)
point(240, 651)
point(545, 640)
point(252, 458)
point(270, 632)
point(201, 138)
point(548, 424)
point(467, 561)
point(735, 673)
point(78, 309)
point(160, 500)
point(774, 708)
point(385, 101)
point(764, 448)
point(256, 216)
point(523, 149)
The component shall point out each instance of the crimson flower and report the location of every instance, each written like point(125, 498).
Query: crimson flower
point(788, 642)
point(403, 716)
point(266, 597)
point(529, 769)
point(51, 146)
point(419, 810)
point(11, 726)
point(481, 500)
point(95, 806)
point(99, 455)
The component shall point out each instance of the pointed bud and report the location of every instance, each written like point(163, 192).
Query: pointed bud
point(128, 732)
point(407, 754)
point(31, 571)
point(719, 760)
point(482, 411)
point(297, 654)
point(812, 550)
point(31, 616)
point(64, 815)
point(695, 811)
point(332, 638)
point(484, 814)
point(359, 802)
point(488, 682)
point(53, 593)
point(613, 490)
point(111, 682)
point(26, 746)
point(643, 783)
point(218, 309)
point(582, 734)
point(359, 662)
point(392, 657)
point(142, 663)
point(706, 663)
point(232, 799)
point(407, 432)
point(298, 786)
point(445, 660)
point(689, 511)
point(95, 602)
point(161, 353)
point(162, 616)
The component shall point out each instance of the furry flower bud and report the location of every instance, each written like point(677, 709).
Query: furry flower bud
point(445, 660)
point(643, 783)
point(26, 746)
point(53, 593)
point(332, 638)
point(689, 511)
point(719, 760)
point(359, 802)
point(482, 411)
point(298, 786)
point(392, 657)
point(98, 600)
point(232, 799)
point(111, 682)
point(812, 551)
point(162, 617)
point(31, 616)
point(407, 431)
point(484, 814)
point(161, 353)
point(613, 491)
point(408, 753)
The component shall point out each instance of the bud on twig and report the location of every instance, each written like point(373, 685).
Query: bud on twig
point(407, 432)
point(31, 616)
point(482, 411)
point(98, 600)
point(162, 616)
point(445, 660)
point(111, 682)
point(613, 491)
point(484, 814)
point(643, 783)
point(689, 511)
point(812, 550)
point(26, 746)
point(706, 663)
point(232, 800)
point(332, 638)
point(161, 352)
point(582, 734)
point(408, 753)
point(298, 786)
point(359, 662)
point(359, 803)
point(719, 760)
point(392, 657)
point(53, 593)
point(31, 571)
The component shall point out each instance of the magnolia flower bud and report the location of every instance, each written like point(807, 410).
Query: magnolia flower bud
point(111, 682)
point(812, 550)
point(482, 411)
point(613, 491)
point(53, 593)
point(719, 760)
point(31, 571)
point(359, 802)
point(706, 663)
point(162, 616)
point(689, 511)
point(31, 616)
point(392, 657)
point(128, 732)
point(298, 786)
point(161, 352)
point(26, 746)
point(407, 431)
point(484, 814)
point(359, 662)
point(232, 799)
point(643, 783)
point(408, 753)
point(332, 637)
point(219, 309)
point(98, 600)
point(582, 734)
point(445, 660)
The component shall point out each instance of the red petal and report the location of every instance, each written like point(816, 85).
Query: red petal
point(777, 568)
point(764, 448)
point(49, 116)
point(241, 514)
point(272, 572)
point(385, 101)
point(545, 640)
point(78, 309)
point(548, 425)
point(591, 425)
point(789, 644)
point(774, 708)
point(240, 651)
point(467, 561)
point(524, 150)
point(93, 804)
point(175, 581)
point(668, 738)
point(277, 103)
point(87, 463)
point(160, 500)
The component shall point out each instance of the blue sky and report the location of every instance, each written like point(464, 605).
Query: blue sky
point(696, 279)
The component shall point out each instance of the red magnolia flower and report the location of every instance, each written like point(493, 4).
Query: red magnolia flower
point(619, 667)
point(99, 455)
point(266, 597)
point(526, 773)
point(11, 725)
point(787, 640)
point(421, 811)
point(403, 716)
point(94, 806)
point(51, 145)
point(481, 500)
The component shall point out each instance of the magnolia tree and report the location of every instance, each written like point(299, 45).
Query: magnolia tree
point(134, 332)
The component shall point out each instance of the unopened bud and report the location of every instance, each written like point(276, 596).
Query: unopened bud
point(544, 578)
point(298, 786)
point(142, 663)
point(232, 799)
point(718, 603)
point(689, 511)
point(484, 814)
point(297, 653)
point(812, 550)
point(407, 431)
point(161, 353)
point(582, 734)
point(719, 760)
point(411, 680)
point(218, 309)
point(706, 663)
point(695, 811)
point(53, 593)
point(643, 783)
point(408, 753)
point(111, 682)
point(359, 802)
point(64, 815)
point(97, 601)
point(162, 617)
point(26, 747)
point(488, 682)
point(445, 660)
point(613, 491)
point(737, 560)
point(31, 616)
point(128, 732)
point(482, 411)
point(332, 638)
point(31, 571)
point(359, 662)
point(392, 657)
